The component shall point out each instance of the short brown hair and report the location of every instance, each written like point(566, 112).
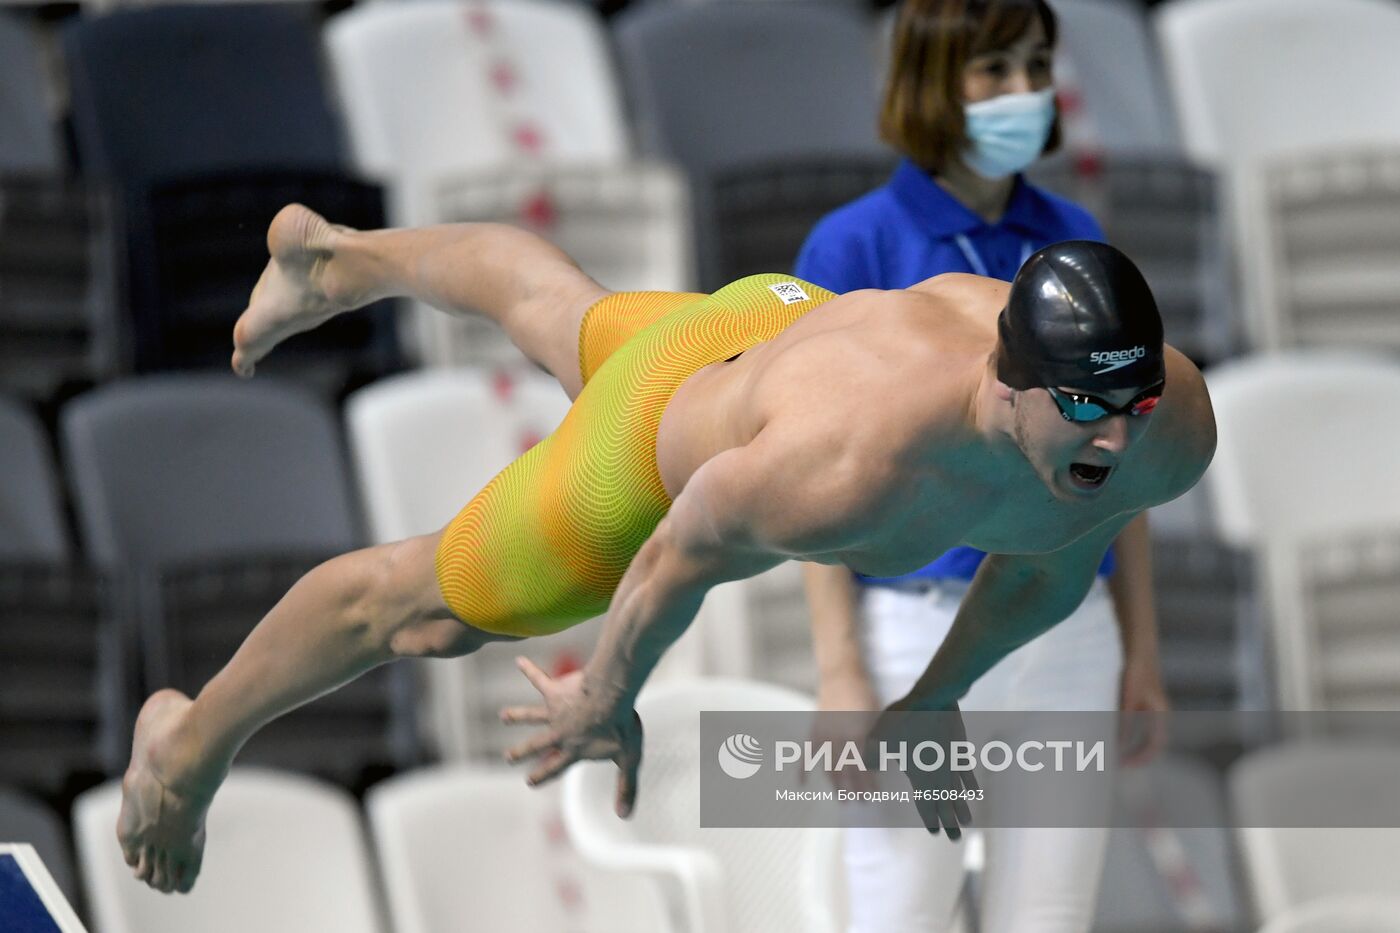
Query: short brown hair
point(922, 112)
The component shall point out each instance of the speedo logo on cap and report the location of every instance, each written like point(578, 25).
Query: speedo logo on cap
point(1115, 359)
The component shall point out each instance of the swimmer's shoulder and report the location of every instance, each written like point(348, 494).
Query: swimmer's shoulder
point(1184, 434)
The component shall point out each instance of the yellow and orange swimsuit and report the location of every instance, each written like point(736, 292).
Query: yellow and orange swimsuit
point(544, 545)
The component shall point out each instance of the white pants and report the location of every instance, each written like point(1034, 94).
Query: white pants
point(1039, 880)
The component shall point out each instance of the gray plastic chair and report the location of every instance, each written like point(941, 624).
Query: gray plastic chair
point(1107, 55)
point(63, 676)
point(771, 109)
point(56, 320)
point(23, 819)
point(28, 143)
point(217, 495)
point(31, 514)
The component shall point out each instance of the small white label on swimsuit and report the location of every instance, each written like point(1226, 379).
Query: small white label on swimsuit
point(789, 292)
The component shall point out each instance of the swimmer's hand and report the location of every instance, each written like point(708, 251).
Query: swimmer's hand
point(941, 795)
point(582, 724)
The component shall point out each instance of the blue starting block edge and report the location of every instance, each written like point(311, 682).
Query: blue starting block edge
point(30, 901)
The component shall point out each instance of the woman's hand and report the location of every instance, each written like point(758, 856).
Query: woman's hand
point(583, 723)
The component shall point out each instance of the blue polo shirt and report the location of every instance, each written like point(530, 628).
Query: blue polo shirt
point(911, 229)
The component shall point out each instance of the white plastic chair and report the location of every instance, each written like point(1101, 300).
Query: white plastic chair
point(285, 854)
point(1262, 77)
point(1304, 477)
point(440, 91)
point(1318, 241)
point(1289, 867)
point(441, 87)
point(425, 442)
point(627, 224)
point(1340, 915)
point(734, 880)
point(476, 846)
point(1308, 444)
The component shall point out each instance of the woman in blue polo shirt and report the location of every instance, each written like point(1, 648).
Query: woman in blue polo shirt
point(970, 102)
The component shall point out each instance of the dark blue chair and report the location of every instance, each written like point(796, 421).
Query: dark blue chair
point(208, 119)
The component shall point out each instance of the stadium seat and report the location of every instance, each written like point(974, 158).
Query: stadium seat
point(1288, 463)
point(1230, 64)
point(217, 495)
point(626, 224)
point(475, 845)
point(207, 119)
point(1319, 241)
point(64, 672)
point(1251, 78)
point(57, 322)
point(1291, 482)
point(1107, 56)
point(506, 111)
point(772, 115)
point(736, 880)
point(1349, 786)
point(285, 854)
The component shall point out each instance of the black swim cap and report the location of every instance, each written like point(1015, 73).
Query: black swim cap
point(1079, 315)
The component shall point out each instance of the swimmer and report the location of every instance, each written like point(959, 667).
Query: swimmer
point(711, 438)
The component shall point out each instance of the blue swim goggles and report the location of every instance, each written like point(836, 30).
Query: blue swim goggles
point(1081, 408)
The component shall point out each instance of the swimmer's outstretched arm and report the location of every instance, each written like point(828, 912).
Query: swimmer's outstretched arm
point(1013, 598)
point(716, 531)
point(535, 292)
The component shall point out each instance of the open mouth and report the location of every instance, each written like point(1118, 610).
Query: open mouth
point(1088, 476)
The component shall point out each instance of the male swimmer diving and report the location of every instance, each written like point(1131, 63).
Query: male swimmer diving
point(711, 438)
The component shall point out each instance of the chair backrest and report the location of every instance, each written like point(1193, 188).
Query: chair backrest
point(1260, 77)
point(729, 84)
point(769, 879)
point(166, 91)
point(426, 442)
point(285, 854)
point(31, 514)
point(1335, 637)
point(447, 86)
point(628, 225)
point(1108, 61)
point(174, 469)
point(1340, 915)
point(476, 842)
point(1317, 248)
point(1292, 866)
point(1307, 446)
point(23, 819)
point(28, 143)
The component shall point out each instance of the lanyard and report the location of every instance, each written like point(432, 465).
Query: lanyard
point(974, 258)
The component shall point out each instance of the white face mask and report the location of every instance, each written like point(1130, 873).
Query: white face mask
point(1007, 133)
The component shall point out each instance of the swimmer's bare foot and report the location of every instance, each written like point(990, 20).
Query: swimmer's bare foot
point(308, 280)
point(164, 799)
